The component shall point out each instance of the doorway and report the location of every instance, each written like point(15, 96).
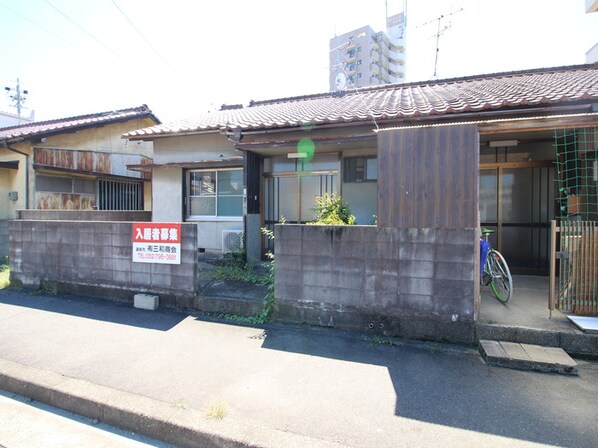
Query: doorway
point(517, 201)
point(291, 198)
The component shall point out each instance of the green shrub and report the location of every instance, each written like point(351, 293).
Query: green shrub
point(4, 273)
point(333, 211)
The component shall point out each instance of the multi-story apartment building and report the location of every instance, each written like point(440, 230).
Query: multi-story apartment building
point(363, 57)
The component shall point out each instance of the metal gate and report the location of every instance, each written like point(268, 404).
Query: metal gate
point(574, 267)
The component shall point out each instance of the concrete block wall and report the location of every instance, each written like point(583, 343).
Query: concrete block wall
point(3, 237)
point(94, 258)
point(85, 215)
point(414, 283)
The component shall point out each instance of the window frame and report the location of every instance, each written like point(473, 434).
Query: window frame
point(215, 217)
point(355, 179)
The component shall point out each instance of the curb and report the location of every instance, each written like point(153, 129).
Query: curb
point(143, 415)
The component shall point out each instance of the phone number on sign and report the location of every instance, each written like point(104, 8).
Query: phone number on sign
point(155, 256)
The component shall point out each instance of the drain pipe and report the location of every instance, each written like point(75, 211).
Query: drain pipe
point(7, 146)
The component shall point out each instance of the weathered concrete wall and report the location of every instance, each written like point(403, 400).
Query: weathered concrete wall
point(84, 215)
point(3, 237)
point(95, 258)
point(413, 283)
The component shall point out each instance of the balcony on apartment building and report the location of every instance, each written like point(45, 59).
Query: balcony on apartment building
point(396, 57)
point(395, 69)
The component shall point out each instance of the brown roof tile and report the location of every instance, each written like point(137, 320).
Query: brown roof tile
point(391, 102)
point(52, 127)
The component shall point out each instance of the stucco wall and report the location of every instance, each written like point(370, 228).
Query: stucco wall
point(167, 195)
point(209, 233)
point(103, 139)
point(95, 257)
point(362, 198)
point(4, 189)
point(167, 184)
point(12, 180)
point(193, 148)
point(413, 283)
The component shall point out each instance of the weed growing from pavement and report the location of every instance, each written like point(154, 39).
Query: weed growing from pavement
point(217, 411)
point(237, 267)
point(269, 301)
point(47, 288)
point(179, 404)
point(239, 273)
point(381, 341)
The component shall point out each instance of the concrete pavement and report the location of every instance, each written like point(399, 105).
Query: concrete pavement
point(162, 372)
point(30, 424)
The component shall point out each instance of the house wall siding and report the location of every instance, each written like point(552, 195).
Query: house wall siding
point(428, 177)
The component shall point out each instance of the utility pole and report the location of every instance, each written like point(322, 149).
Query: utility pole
point(18, 97)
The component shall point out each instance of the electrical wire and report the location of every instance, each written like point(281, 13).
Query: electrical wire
point(146, 40)
point(41, 27)
point(99, 42)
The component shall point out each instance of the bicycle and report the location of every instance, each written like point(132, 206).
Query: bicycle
point(495, 271)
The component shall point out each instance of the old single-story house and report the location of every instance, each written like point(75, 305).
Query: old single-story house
point(243, 168)
point(432, 160)
point(75, 163)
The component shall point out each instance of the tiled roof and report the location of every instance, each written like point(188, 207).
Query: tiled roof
point(481, 93)
point(52, 127)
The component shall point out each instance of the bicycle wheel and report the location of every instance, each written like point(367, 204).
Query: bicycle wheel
point(502, 282)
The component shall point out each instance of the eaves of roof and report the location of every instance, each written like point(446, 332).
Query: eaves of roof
point(42, 129)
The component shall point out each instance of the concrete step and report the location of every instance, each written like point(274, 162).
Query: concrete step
point(527, 357)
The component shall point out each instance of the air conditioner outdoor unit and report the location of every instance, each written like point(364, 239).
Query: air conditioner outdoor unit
point(231, 240)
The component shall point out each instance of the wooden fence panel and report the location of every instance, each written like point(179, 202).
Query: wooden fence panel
point(428, 177)
point(578, 272)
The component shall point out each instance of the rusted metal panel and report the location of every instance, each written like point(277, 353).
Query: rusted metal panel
point(64, 201)
point(90, 161)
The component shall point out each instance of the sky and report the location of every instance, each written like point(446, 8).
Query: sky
point(187, 57)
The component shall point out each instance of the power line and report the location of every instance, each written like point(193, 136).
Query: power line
point(88, 33)
point(41, 27)
point(145, 39)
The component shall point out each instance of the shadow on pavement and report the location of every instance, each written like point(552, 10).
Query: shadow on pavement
point(96, 309)
point(456, 389)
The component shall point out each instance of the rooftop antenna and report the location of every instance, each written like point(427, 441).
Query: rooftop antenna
point(18, 97)
point(440, 30)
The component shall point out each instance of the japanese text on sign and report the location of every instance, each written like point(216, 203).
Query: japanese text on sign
point(157, 242)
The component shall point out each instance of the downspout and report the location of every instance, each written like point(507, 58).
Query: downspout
point(7, 146)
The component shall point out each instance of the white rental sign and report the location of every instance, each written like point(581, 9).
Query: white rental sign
point(157, 242)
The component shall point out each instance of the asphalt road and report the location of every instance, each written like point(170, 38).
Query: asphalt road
point(352, 389)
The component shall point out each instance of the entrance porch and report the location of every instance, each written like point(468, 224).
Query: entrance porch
point(526, 319)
